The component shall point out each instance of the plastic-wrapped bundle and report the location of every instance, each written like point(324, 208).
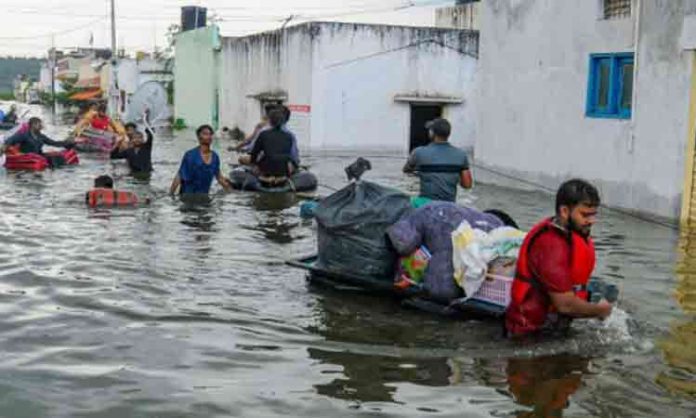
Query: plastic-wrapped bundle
point(352, 229)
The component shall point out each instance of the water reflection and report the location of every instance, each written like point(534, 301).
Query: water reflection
point(372, 378)
point(679, 349)
point(274, 222)
point(545, 384)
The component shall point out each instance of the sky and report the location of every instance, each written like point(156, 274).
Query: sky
point(31, 27)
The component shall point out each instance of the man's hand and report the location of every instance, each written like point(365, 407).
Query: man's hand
point(605, 308)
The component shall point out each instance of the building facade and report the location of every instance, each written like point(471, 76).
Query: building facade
point(196, 76)
point(353, 86)
point(463, 15)
point(598, 89)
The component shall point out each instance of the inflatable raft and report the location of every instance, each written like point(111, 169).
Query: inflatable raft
point(92, 140)
point(482, 306)
point(243, 179)
point(36, 162)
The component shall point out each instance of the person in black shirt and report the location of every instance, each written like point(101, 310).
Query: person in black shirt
point(272, 151)
point(138, 153)
point(33, 140)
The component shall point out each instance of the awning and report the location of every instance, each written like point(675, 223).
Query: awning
point(88, 83)
point(87, 95)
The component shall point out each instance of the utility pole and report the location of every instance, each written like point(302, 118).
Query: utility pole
point(53, 73)
point(113, 28)
point(113, 92)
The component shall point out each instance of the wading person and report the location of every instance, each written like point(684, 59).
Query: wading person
point(272, 151)
point(199, 167)
point(555, 264)
point(440, 166)
point(104, 195)
point(33, 140)
point(138, 151)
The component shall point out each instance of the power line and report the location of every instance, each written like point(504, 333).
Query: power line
point(48, 35)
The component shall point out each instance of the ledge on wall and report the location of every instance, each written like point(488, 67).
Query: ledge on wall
point(269, 96)
point(410, 98)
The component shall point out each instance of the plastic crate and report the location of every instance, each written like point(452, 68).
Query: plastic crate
point(496, 290)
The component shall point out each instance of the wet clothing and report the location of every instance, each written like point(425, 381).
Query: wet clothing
point(139, 159)
point(272, 152)
point(555, 265)
point(294, 152)
point(197, 176)
point(432, 225)
point(10, 117)
point(101, 123)
point(439, 166)
point(33, 143)
point(102, 197)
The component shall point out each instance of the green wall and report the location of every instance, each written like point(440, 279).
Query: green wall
point(196, 76)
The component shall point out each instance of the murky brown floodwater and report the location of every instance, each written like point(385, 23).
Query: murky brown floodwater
point(189, 311)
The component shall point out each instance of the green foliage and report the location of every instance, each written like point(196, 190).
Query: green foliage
point(7, 95)
point(11, 67)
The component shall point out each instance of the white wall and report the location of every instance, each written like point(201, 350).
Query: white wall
point(349, 75)
point(532, 96)
point(360, 69)
point(262, 64)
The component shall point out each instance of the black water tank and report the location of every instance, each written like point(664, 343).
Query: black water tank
point(193, 17)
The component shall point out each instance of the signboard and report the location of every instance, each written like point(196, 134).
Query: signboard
point(300, 123)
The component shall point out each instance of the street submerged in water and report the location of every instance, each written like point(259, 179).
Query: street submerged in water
point(189, 310)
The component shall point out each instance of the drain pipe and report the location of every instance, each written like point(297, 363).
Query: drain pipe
point(636, 66)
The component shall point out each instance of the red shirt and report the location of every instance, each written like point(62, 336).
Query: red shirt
point(549, 262)
point(100, 123)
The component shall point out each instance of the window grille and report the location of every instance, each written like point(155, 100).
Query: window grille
point(617, 9)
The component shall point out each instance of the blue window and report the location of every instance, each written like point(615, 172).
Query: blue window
point(610, 86)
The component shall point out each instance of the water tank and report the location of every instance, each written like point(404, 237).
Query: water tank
point(193, 17)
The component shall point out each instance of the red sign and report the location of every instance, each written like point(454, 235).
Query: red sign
point(300, 108)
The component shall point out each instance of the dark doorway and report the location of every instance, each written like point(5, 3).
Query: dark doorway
point(420, 115)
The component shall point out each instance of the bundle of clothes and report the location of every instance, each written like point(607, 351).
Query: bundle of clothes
point(443, 250)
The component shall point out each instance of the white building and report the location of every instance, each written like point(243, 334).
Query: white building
point(350, 86)
point(463, 15)
point(593, 88)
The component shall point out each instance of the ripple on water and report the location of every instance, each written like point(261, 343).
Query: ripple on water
point(188, 310)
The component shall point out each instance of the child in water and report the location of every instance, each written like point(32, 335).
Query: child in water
point(104, 195)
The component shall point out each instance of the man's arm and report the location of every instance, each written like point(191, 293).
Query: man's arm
point(176, 183)
point(294, 150)
point(224, 181)
point(258, 147)
point(150, 136)
point(48, 141)
point(571, 305)
point(466, 179)
point(410, 166)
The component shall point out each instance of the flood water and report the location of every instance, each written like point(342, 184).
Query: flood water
point(177, 310)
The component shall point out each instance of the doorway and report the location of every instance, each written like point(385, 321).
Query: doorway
point(420, 115)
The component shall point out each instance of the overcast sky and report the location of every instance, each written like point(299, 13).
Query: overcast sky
point(26, 26)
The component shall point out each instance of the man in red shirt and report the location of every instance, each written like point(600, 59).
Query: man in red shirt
point(556, 262)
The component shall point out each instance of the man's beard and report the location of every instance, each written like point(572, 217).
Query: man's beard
point(585, 232)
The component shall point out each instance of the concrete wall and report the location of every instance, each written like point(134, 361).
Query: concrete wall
point(254, 68)
point(343, 80)
point(360, 69)
point(196, 76)
point(462, 16)
point(532, 95)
